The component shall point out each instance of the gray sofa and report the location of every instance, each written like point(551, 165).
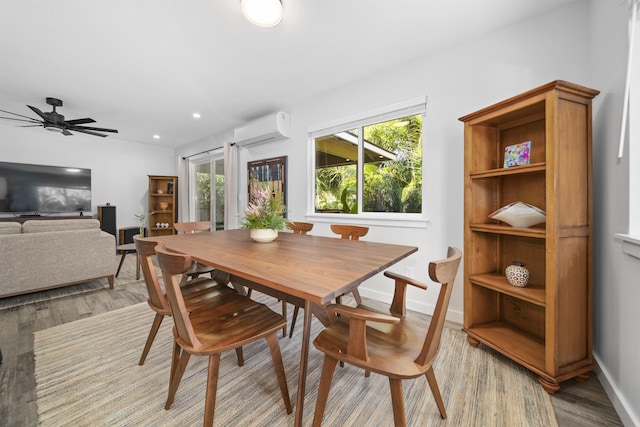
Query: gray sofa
point(45, 254)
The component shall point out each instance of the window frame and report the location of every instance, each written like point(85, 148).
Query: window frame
point(413, 106)
point(631, 239)
point(210, 159)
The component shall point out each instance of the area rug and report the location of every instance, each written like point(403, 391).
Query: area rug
point(126, 276)
point(87, 375)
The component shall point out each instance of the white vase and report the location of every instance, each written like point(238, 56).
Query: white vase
point(263, 235)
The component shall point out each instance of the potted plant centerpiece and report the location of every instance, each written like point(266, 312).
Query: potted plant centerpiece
point(264, 216)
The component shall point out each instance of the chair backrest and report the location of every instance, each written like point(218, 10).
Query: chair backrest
point(192, 227)
point(173, 265)
point(146, 251)
point(443, 272)
point(300, 227)
point(353, 232)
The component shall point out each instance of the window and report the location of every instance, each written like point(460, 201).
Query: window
point(208, 192)
point(371, 165)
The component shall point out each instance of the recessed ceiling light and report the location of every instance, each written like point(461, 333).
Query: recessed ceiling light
point(263, 13)
point(156, 136)
point(196, 115)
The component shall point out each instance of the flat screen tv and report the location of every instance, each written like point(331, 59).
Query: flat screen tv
point(38, 189)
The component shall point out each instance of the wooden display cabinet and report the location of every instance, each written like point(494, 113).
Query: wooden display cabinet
point(547, 325)
point(163, 204)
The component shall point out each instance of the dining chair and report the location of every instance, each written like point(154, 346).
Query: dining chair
point(192, 227)
point(350, 232)
point(386, 340)
point(299, 227)
point(198, 293)
point(235, 322)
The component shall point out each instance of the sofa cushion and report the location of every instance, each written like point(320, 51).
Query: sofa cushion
point(10, 228)
point(41, 226)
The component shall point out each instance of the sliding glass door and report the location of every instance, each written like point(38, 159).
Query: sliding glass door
point(207, 192)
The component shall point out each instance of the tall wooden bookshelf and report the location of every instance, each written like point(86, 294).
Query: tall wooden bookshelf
point(162, 189)
point(547, 325)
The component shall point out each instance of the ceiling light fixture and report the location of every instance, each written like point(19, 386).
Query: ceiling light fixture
point(156, 136)
point(196, 115)
point(263, 13)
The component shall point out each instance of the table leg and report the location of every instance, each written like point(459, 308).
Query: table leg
point(304, 357)
point(137, 266)
point(124, 254)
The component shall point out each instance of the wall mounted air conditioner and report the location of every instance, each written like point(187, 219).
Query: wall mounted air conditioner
point(272, 127)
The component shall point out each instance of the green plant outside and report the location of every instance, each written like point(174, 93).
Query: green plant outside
point(389, 186)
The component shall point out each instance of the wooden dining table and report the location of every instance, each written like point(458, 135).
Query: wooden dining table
point(309, 271)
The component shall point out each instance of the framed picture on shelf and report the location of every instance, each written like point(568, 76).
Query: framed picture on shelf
point(517, 154)
point(271, 172)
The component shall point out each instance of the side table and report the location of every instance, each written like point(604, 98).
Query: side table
point(128, 249)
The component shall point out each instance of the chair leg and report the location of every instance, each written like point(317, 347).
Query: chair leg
point(212, 388)
point(397, 400)
point(284, 314)
point(155, 326)
point(293, 320)
point(177, 370)
point(175, 356)
point(328, 367)
point(433, 384)
point(240, 356)
point(356, 296)
point(276, 356)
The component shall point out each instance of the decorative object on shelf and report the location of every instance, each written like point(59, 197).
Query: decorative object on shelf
point(157, 225)
point(164, 205)
point(160, 192)
point(519, 214)
point(265, 212)
point(263, 235)
point(141, 218)
point(517, 274)
point(517, 154)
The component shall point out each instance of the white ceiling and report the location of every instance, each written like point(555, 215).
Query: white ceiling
point(144, 66)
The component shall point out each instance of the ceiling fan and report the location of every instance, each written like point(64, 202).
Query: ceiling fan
point(55, 122)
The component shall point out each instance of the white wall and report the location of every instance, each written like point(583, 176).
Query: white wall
point(457, 81)
point(616, 287)
point(119, 169)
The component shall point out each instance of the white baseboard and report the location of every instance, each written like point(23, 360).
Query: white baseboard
point(620, 403)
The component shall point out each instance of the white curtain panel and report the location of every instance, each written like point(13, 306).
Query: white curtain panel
point(183, 190)
point(231, 186)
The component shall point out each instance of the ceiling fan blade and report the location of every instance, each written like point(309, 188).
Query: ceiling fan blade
point(38, 112)
point(31, 126)
point(19, 115)
point(79, 128)
point(82, 130)
point(23, 120)
point(66, 132)
point(79, 121)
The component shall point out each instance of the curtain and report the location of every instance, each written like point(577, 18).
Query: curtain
point(183, 190)
point(230, 186)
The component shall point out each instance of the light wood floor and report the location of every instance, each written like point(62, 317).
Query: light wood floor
point(576, 404)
